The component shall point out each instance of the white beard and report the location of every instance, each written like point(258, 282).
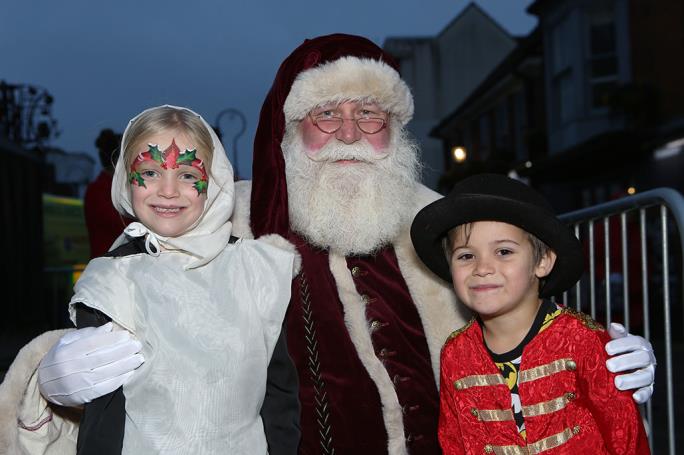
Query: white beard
point(352, 209)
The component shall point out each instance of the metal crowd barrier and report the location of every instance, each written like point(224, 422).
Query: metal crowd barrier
point(634, 249)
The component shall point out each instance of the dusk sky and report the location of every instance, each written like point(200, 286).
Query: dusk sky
point(106, 61)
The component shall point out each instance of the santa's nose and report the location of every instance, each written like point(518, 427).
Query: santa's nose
point(349, 132)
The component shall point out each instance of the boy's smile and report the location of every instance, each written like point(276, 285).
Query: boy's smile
point(493, 269)
point(165, 193)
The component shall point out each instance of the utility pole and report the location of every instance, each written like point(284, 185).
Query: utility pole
point(233, 114)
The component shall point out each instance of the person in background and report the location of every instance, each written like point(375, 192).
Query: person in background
point(103, 222)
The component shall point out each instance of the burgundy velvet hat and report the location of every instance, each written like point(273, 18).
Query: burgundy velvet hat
point(329, 68)
point(493, 197)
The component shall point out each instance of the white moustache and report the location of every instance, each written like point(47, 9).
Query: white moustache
point(358, 151)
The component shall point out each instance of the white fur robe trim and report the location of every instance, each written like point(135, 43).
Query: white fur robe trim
point(241, 209)
point(439, 310)
point(29, 425)
point(280, 242)
point(359, 332)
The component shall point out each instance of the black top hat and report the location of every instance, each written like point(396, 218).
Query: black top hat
point(493, 197)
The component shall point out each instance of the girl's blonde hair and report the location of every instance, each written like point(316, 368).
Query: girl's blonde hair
point(166, 118)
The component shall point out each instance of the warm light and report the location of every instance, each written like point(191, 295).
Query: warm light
point(459, 154)
point(670, 149)
point(631, 190)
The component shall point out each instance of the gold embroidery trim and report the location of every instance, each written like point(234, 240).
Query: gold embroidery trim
point(506, 450)
point(543, 371)
point(540, 446)
point(456, 333)
point(479, 380)
point(583, 318)
point(493, 415)
point(552, 441)
point(547, 407)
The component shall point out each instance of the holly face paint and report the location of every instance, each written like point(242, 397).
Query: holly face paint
point(170, 158)
point(168, 188)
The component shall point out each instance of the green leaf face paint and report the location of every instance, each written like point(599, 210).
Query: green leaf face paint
point(155, 154)
point(171, 158)
point(201, 186)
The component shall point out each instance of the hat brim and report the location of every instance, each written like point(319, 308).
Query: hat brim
point(433, 222)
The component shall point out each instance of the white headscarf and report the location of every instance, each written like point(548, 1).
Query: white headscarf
point(209, 235)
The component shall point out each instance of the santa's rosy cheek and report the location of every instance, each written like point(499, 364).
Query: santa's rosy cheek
point(313, 139)
point(379, 141)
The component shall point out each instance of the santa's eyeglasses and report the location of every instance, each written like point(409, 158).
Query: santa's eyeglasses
point(329, 124)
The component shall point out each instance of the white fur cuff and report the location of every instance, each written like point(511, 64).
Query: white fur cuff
point(280, 242)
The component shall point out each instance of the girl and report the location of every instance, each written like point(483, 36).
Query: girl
point(208, 310)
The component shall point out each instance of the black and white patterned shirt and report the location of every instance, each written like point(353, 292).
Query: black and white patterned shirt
point(509, 362)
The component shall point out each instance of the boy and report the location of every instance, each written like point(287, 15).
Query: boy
point(524, 375)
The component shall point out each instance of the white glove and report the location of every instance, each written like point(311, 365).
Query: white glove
point(88, 363)
point(637, 354)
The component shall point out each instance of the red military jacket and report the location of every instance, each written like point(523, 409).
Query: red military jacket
point(569, 401)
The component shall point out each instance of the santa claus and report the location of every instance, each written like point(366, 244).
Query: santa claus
point(336, 173)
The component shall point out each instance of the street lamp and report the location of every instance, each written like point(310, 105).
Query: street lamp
point(232, 113)
point(459, 154)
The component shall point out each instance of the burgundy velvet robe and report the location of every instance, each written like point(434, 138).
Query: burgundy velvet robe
point(341, 406)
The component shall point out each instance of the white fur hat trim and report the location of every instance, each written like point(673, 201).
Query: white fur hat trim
point(349, 79)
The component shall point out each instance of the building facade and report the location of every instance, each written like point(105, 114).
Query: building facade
point(603, 109)
point(443, 70)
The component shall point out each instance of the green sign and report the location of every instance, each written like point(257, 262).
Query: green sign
point(65, 236)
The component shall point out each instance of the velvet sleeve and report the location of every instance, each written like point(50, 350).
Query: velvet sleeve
point(614, 411)
point(280, 411)
point(101, 430)
point(449, 430)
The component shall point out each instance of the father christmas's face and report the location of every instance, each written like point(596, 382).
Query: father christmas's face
point(349, 191)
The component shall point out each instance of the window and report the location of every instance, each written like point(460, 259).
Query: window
point(467, 140)
point(520, 122)
point(602, 52)
point(485, 137)
point(562, 84)
point(560, 40)
point(501, 127)
point(564, 96)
